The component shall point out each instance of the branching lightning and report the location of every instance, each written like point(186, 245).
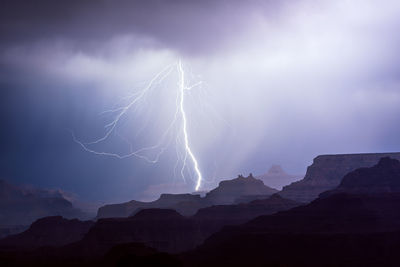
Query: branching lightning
point(188, 150)
point(180, 116)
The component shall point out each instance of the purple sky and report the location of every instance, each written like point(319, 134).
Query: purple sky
point(283, 82)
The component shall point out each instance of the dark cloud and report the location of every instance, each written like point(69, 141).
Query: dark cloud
point(287, 80)
point(190, 26)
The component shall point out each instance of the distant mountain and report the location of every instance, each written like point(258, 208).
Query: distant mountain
point(21, 206)
point(327, 172)
point(357, 224)
point(162, 229)
point(227, 192)
point(276, 177)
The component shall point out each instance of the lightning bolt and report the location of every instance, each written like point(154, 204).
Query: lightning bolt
point(165, 140)
point(188, 150)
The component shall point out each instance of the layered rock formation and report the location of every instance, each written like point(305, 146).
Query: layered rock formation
point(276, 177)
point(326, 173)
point(221, 215)
point(230, 190)
point(168, 231)
point(162, 229)
point(357, 224)
point(381, 178)
point(185, 204)
point(227, 192)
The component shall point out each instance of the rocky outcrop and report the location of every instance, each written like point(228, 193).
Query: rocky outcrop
point(185, 204)
point(357, 224)
point(49, 231)
point(342, 227)
point(227, 192)
point(277, 178)
point(230, 190)
point(326, 173)
point(381, 178)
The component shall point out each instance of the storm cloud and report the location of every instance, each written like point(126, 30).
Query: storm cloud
point(189, 26)
point(284, 82)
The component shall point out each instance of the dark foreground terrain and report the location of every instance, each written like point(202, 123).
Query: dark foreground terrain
point(355, 224)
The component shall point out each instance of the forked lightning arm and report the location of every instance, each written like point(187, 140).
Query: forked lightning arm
point(161, 146)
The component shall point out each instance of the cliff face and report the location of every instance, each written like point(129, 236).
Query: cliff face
point(228, 192)
point(356, 224)
point(381, 178)
point(327, 172)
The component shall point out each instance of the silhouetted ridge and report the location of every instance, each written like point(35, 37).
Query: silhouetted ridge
point(386, 173)
point(240, 213)
point(230, 190)
point(237, 190)
point(381, 178)
point(350, 227)
point(185, 204)
point(327, 172)
point(179, 197)
point(49, 231)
